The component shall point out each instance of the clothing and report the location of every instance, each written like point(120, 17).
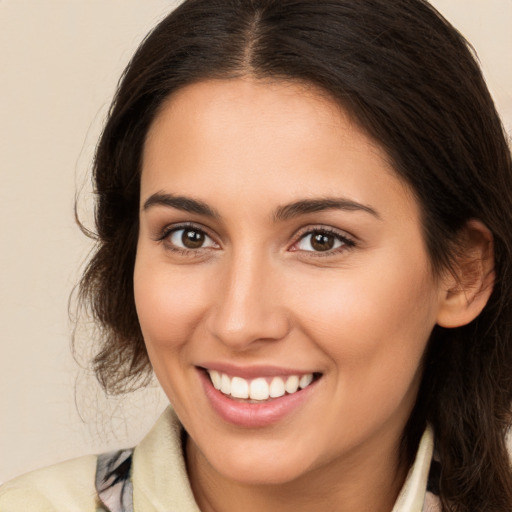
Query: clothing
point(153, 478)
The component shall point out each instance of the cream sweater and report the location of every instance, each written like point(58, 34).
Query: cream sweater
point(70, 486)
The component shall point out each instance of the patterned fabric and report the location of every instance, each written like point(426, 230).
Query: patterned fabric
point(113, 481)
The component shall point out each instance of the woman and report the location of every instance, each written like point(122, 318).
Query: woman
point(303, 228)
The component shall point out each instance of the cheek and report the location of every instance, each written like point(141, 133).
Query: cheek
point(366, 306)
point(375, 342)
point(168, 304)
point(373, 326)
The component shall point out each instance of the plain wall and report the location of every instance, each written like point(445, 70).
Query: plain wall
point(60, 63)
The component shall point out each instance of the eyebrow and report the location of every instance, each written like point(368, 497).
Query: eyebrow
point(306, 206)
point(282, 213)
point(185, 204)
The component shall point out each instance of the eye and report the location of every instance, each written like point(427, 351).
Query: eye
point(321, 240)
point(189, 238)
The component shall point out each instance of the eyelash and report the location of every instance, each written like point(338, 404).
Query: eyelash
point(347, 243)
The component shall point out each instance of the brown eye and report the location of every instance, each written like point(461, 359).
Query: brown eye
point(190, 238)
point(322, 241)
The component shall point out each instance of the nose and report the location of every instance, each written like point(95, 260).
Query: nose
point(248, 306)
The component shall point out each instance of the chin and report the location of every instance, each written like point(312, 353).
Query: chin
point(265, 472)
point(260, 465)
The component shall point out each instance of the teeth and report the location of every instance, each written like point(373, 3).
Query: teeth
point(261, 388)
point(216, 380)
point(225, 384)
point(292, 384)
point(239, 388)
point(277, 387)
point(305, 380)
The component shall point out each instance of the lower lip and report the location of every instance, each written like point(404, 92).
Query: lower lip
point(253, 415)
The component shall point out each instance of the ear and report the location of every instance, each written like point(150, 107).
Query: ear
point(465, 290)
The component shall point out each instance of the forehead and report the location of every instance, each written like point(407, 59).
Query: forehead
point(265, 141)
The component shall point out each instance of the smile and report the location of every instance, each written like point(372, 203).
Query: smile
point(260, 388)
point(261, 398)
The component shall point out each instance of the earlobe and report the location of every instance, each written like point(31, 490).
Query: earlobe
point(465, 290)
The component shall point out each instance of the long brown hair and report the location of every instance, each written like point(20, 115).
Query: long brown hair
point(411, 81)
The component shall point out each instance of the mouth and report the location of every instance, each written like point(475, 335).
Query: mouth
point(260, 389)
point(261, 398)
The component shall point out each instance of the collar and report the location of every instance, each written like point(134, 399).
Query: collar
point(412, 495)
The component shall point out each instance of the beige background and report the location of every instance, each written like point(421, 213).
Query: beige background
point(60, 62)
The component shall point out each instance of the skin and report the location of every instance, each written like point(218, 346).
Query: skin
point(256, 293)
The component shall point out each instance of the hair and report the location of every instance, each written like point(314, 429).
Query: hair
point(412, 82)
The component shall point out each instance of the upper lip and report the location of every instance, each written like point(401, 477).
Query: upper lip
point(253, 371)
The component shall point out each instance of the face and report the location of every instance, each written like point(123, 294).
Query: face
point(281, 281)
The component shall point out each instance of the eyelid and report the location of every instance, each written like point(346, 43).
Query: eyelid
point(161, 233)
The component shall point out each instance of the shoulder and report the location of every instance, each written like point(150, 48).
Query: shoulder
point(68, 486)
